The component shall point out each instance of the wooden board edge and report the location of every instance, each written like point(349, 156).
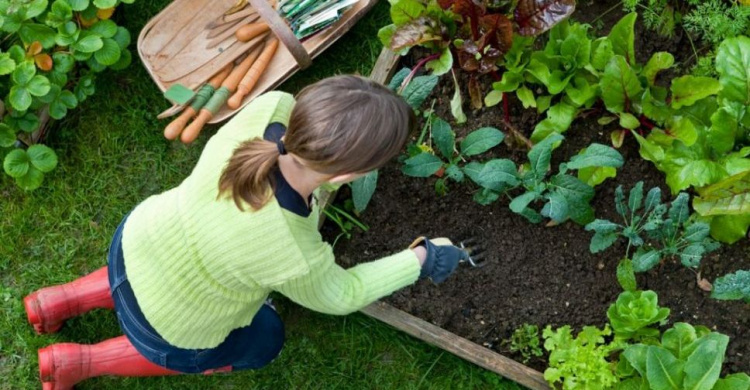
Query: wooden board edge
point(459, 346)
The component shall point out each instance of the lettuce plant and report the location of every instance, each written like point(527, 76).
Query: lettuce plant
point(563, 195)
point(583, 362)
point(633, 312)
point(733, 286)
point(687, 358)
point(525, 341)
point(49, 55)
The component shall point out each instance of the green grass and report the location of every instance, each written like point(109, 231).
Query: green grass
point(111, 156)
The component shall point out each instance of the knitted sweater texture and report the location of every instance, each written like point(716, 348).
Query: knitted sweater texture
point(200, 268)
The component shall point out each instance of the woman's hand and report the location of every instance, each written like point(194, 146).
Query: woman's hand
point(441, 258)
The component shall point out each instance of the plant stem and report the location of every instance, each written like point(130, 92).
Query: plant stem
point(506, 108)
point(645, 122)
point(350, 218)
point(606, 12)
point(517, 134)
point(416, 69)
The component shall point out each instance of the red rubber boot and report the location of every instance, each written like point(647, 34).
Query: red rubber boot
point(63, 365)
point(49, 307)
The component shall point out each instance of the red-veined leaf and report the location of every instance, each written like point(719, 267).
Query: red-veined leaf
point(537, 16)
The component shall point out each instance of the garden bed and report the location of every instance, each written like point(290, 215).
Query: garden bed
point(536, 274)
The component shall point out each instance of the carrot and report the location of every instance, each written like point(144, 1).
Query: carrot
point(252, 76)
point(219, 98)
point(175, 127)
point(250, 31)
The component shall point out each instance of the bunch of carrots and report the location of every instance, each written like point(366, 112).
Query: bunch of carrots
point(230, 85)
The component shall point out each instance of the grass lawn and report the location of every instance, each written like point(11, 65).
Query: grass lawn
point(111, 156)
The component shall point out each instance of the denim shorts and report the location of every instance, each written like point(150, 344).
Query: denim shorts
point(250, 347)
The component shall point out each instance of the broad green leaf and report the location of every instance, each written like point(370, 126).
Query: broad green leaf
point(404, 11)
point(654, 104)
point(557, 81)
point(596, 155)
point(443, 137)
point(658, 62)
point(521, 202)
point(422, 165)
point(684, 130)
point(526, 97)
point(692, 255)
point(16, 163)
point(653, 199)
point(729, 228)
point(472, 170)
point(596, 175)
point(42, 157)
point(602, 226)
point(417, 90)
point(559, 118)
point(104, 28)
point(19, 98)
point(636, 196)
point(78, 5)
point(385, 35)
point(485, 196)
point(724, 127)
point(31, 180)
point(626, 275)
point(602, 53)
point(578, 195)
point(109, 54)
point(733, 286)
point(23, 74)
point(739, 381)
point(456, 103)
point(620, 85)
point(60, 13)
point(556, 207)
point(629, 121)
point(543, 103)
point(644, 260)
point(63, 62)
point(32, 32)
point(90, 43)
point(663, 371)
point(733, 66)
point(455, 173)
point(104, 4)
point(686, 90)
point(35, 8)
point(730, 196)
point(696, 232)
point(7, 136)
point(620, 205)
point(509, 83)
point(696, 173)
point(443, 64)
point(622, 37)
point(38, 86)
point(481, 140)
point(363, 189)
point(703, 367)
point(124, 62)
point(7, 65)
point(680, 209)
point(541, 154)
point(648, 150)
point(498, 174)
point(679, 339)
point(536, 68)
point(580, 91)
point(493, 98)
point(637, 356)
point(122, 37)
point(531, 215)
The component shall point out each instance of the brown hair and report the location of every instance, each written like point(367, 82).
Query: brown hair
point(342, 124)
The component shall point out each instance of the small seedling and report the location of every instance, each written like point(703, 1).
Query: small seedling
point(344, 220)
point(525, 341)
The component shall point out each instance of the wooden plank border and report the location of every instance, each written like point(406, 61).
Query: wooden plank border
point(423, 330)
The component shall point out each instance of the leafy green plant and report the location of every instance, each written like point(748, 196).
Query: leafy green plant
point(687, 358)
point(583, 362)
point(633, 312)
point(525, 341)
point(733, 286)
point(344, 220)
point(667, 231)
point(563, 195)
point(49, 55)
point(427, 163)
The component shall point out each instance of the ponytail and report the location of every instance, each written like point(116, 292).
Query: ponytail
point(247, 176)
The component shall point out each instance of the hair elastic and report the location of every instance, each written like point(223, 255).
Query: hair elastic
point(280, 147)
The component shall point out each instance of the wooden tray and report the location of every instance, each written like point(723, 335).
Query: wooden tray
point(188, 16)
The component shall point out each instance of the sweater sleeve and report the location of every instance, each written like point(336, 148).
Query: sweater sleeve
point(330, 289)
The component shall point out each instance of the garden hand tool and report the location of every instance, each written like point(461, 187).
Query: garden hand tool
point(475, 251)
point(204, 94)
point(442, 258)
point(220, 96)
point(253, 74)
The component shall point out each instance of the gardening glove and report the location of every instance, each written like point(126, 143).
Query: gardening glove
point(442, 258)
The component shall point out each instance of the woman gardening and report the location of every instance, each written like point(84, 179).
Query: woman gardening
point(189, 270)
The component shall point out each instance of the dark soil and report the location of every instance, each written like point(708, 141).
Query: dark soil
point(536, 274)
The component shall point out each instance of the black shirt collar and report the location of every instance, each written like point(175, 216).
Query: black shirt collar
point(288, 198)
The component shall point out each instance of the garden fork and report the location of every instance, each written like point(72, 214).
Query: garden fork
point(475, 251)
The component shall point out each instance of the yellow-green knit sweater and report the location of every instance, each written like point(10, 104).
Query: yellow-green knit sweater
point(199, 267)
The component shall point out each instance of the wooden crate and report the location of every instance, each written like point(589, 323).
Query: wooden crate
point(425, 331)
point(186, 20)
